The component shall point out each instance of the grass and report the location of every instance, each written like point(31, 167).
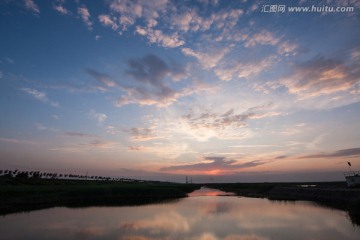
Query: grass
point(28, 194)
point(23, 194)
point(330, 194)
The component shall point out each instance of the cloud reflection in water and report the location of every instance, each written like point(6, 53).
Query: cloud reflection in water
point(202, 217)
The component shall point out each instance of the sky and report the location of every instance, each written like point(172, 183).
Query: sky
point(219, 91)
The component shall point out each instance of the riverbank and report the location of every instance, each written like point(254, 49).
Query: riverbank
point(331, 194)
point(19, 195)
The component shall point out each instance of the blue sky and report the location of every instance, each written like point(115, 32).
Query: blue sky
point(160, 89)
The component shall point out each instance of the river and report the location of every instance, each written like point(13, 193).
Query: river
point(207, 214)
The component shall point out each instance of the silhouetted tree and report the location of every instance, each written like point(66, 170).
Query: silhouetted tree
point(36, 175)
point(22, 175)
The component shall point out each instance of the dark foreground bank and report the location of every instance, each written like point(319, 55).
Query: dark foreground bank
point(331, 194)
point(17, 195)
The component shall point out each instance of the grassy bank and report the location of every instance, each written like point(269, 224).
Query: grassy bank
point(331, 194)
point(30, 194)
point(19, 194)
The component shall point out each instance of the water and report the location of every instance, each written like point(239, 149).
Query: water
point(202, 216)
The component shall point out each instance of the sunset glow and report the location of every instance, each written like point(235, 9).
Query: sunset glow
point(161, 89)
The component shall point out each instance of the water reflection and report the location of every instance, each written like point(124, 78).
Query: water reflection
point(203, 217)
point(204, 191)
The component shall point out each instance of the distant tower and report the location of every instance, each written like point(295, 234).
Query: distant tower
point(186, 179)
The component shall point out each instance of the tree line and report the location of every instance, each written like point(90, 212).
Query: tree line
point(50, 175)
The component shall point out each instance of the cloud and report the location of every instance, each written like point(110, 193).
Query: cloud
point(226, 119)
point(298, 128)
point(137, 148)
point(287, 48)
point(212, 164)
point(151, 85)
point(113, 130)
point(7, 60)
point(41, 96)
point(227, 18)
point(189, 20)
point(41, 127)
point(144, 97)
point(102, 78)
point(98, 144)
point(61, 9)
point(107, 20)
point(85, 16)
point(244, 69)
point(17, 141)
point(36, 94)
point(55, 104)
point(312, 144)
point(350, 152)
point(142, 134)
point(263, 38)
point(78, 134)
point(205, 124)
point(169, 222)
point(267, 86)
point(149, 70)
point(56, 117)
point(167, 150)
point(245, 237)
point(208, 60)
point(355, 54)
point(141, 31)
point(99, 117)
point(253, 146)
point(321, 76)
point(32, 6)
point(129, 12)
point(162, 39)
point(177, 20)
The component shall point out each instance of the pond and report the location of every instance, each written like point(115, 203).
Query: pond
point(204, 215)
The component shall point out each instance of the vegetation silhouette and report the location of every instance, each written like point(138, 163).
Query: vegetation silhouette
point(30, 190)
point(330, 194)
point(25, 191)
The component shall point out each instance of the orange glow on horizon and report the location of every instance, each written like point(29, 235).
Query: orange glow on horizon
point(214, 172)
